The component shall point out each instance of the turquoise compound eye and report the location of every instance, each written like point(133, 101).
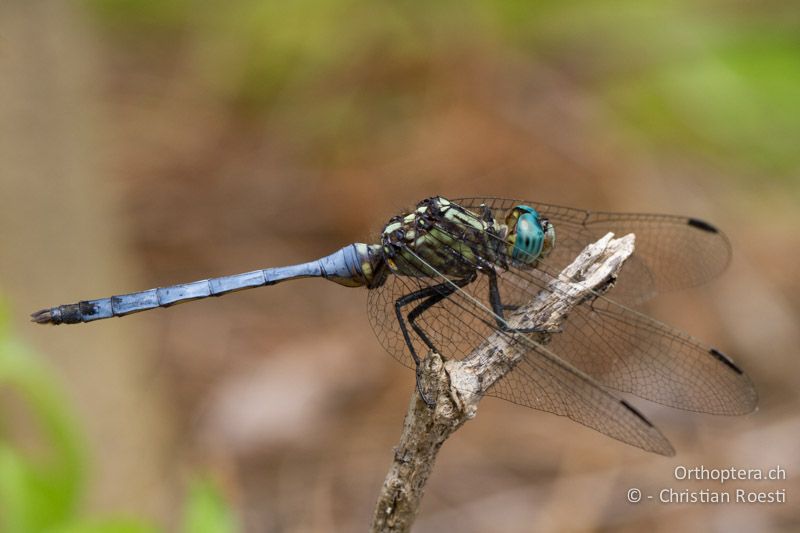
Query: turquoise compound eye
point(529, 236)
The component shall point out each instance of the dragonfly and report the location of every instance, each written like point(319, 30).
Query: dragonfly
point(444, 275)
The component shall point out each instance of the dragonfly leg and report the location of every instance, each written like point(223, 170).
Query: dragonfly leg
point(441, 294)
point(431, 296)
point(498, 307)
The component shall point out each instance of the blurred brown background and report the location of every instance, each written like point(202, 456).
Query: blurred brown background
point(145, 143)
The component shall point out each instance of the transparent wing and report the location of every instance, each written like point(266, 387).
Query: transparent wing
point(462, 323)
point(672, 252)
point(631, 352)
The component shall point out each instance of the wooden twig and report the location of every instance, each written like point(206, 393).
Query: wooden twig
point(458, 386)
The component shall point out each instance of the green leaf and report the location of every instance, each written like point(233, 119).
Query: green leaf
point(206, 510)
point(37, 492)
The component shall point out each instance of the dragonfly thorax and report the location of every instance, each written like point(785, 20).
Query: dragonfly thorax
point(441, 238)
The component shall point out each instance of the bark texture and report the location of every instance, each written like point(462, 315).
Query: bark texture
point(458, 386)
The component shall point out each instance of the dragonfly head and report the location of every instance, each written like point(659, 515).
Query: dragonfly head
point(530, 237)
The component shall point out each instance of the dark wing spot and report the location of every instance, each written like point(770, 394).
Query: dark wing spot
point(725, 359)
point(702, 224)
point(636, 412)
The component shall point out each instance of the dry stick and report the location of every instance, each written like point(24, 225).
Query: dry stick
point(458, 386)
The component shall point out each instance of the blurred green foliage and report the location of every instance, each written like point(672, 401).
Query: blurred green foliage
point(207, 511)
point(717, 79)
point(41, 489)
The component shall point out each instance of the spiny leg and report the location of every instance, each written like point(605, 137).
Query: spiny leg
point(431, 295)
point(488, 268)
point(498, 307)
point(441, 294)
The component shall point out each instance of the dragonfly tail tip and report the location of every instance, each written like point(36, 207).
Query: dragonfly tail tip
point(43, 316)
